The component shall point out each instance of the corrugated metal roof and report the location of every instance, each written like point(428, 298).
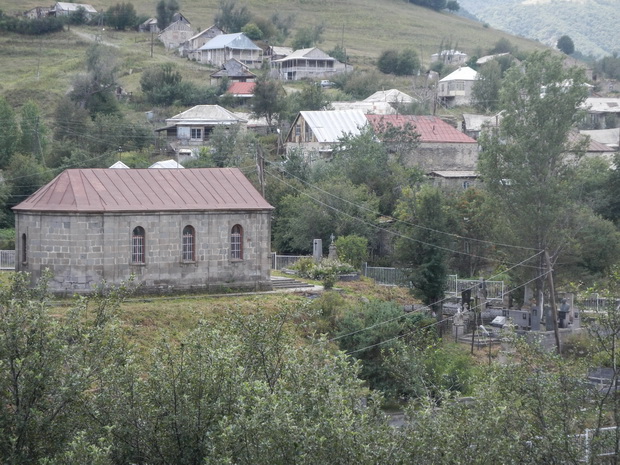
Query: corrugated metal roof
point(430, 128)
point(329, 126)
point(391, 95)
point(146, 190)
point(307, 53)
point(464, 73)
point(75, 6)
point(166, 164)
point(454, 174)
point(237, 41)
point(375, 108)
point(609, 137)
point(602, 104)
point(204, 114)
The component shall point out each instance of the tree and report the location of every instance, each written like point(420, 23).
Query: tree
point(121, 16)
point(485, 90)
point(252, 31)
point(33, 132)
point(9, 133)
point(453, 5)
point(566, 45)
point(307, 37)
point(94, 90)
point(231, 18)
point(165, 12)
point(162, 84)
point(268, 99)
point(400, 63)
point(422, 248)
point(528, 163)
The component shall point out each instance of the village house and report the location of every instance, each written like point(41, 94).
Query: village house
point(316, 133)
point(38, 12)
point(222, 48)
point(440, 146)
point(186, 132)
point(203, 229)
point(242, 92)
point(455, 89)
point(177, 32)
point(234, 71)
point(65, 9)
point(190, 48)
point(473, 124)
point(307, 63)
point(602, 112)
point(275, 52)
point(450, 57)
point(150, 25)
point(453, 180)
point(608, 137)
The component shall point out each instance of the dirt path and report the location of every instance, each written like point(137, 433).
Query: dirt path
point(98, 38)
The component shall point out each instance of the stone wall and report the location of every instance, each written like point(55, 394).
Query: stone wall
point(82, 250)
point(443, 156)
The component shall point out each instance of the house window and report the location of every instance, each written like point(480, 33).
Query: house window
point(297, 130)
point(189, 244)
point(196, 134)
point(137, 245)
point(24, 253)
point(236, 243)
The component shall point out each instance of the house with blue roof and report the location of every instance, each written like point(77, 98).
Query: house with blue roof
point(224, 47)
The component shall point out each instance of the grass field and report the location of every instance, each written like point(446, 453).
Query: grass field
point(41, 68)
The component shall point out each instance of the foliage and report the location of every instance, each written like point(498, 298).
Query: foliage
point(533, 151)
point(400, 63)
point(38, 26)
point(485, 90)
point(422, 249)
point(268, 100)
point(333, 206)
point(307, 37)
point(453, 5)
point(566, 45)
point(166, 10)
point(352, 249)
point(433, 4)
point(308, 268)
point(122, 16)
point(252, 31)
point(610, 66)
point(33, 131)
point(339, 53)
point(229, 146)
point(78, 16)
point(312, 97)
point(368, 331)
point(93, 90)
point(360, 85)
point(231, 18)
point(9, 133)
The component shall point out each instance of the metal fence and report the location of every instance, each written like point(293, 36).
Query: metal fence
point(279, 262)
point(385, 275)
point(495, 289)
point(7, 259)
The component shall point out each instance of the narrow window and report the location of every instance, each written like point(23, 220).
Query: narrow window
point(189, 244)
point(24, 253)
point(236, 243)
point(137, 245)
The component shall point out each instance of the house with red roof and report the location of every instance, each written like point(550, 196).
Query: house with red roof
point(243, 91)
point(441, 147)
point(202, 229)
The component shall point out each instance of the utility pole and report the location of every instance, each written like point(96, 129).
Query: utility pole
point(151, 43)
point(260, 167)
point(554, 312)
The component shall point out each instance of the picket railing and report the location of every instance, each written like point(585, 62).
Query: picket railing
point(7, 259)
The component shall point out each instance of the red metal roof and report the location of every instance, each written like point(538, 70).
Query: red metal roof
point(146, 190)
point(430, 128)
point(242, 88)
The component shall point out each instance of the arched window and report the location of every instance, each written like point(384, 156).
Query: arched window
point(138, 245)
point(189, 244)
point(236, 242)
point(24, 250)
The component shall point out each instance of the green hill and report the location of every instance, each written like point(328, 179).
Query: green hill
point(42, 67)
point(592, 24)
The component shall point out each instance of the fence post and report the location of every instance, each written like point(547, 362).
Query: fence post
point(365, 269)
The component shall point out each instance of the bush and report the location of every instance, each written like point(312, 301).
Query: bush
point(352, 249)
point(322, 271)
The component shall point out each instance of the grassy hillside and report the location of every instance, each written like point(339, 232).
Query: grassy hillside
point(366, 27)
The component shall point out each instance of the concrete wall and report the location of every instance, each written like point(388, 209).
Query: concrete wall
point(82, 250)
point(443, 156)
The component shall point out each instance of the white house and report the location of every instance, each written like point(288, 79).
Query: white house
point(455, 89)
point(223, 47)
